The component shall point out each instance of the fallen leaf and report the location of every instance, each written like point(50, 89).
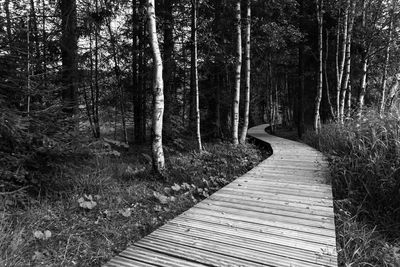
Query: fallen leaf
point(126, 212)
point(176, 187)
point(38, 234)
point(37, 256)
point(47, 234)
point(163, 199)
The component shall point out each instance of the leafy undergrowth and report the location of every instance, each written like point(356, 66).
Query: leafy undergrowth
point(365, 168)
point(111, 200)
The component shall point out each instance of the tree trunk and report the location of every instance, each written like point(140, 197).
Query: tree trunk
point(8, 24)
point(328, 94)
point(300, 113)
point(340, 67)
point(364, 60)
point(158, 93)
point(96, 78)
point(318, 98)
point(346, 81)
point(247, 74)
point(139, 92)
point(236, 93)
point(349, 94)
point(120, 91)
point(169, 63)
point(387, 59)
point(69, 48)
point(194, 74)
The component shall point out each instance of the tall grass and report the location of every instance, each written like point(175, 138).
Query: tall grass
point(365, 168)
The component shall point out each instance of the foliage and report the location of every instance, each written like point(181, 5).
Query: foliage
point(365, 164)
point(108, 202)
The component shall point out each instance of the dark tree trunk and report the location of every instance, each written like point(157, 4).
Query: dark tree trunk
point(68, 47)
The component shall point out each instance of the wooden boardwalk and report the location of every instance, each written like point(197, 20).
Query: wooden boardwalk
point(278, 214)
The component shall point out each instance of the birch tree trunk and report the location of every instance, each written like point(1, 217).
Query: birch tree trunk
point(317, 124)
point(387, 59)
point(346, 80)
point(300, 70)
point(328, 94)
point(236, 92)
point(158, 93)
point(247, 74)
point(194, 74)
point(341, 61)
point(364, 60)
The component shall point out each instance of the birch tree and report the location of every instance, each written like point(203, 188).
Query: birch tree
point(236, 93)
point(341, 53)
point(387, 59)
point(247, 74)
point(318, 98)
point(346, 81)
point(194, 77)
point(158, 91)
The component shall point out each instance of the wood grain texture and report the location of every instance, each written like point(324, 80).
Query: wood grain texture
point(278, 214)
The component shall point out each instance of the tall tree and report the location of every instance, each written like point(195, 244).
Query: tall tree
point(387, 60)
point(341, 56)
point(300, 72)
point(158, 91)
point(346, 81)
point(194, 77)
point(317, 123)
point(68, 45)
point(364, 62)
point(236, 93)
point(247, 74)
point(166, 13)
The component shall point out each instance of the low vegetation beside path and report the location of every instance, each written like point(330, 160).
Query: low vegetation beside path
point(365, 167)
point(98, 204)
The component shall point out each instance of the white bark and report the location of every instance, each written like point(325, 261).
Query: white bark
point(247, 74)
point(236, 94)
point(158, 91)
point(195, 76)
point(320, 66)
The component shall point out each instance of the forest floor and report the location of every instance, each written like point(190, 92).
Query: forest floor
point(110, 200)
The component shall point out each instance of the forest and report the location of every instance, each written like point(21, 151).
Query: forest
point(116, 116)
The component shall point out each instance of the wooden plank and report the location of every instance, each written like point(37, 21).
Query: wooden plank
point(281, 196)
point(185, 251)
point(327, 224)
point(282, 204)
point(278, 214)
point(295, 213)
point(283, 188)
point(259, 228)
point(125, 262)
point(275, 223)
point(244, 236)
point(160, 258)
point(259, 252)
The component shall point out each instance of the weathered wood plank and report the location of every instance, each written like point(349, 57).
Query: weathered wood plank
point(278, 214)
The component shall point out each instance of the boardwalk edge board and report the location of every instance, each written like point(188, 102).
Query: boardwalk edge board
point(280, 213)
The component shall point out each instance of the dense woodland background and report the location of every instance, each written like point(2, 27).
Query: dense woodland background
point(82, 77)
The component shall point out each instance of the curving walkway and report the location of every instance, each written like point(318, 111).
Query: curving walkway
point(278, 214)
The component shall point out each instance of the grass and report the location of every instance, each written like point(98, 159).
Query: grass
point(97, 207)
point(365, 170)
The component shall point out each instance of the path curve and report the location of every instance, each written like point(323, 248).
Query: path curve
point(278, 214)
